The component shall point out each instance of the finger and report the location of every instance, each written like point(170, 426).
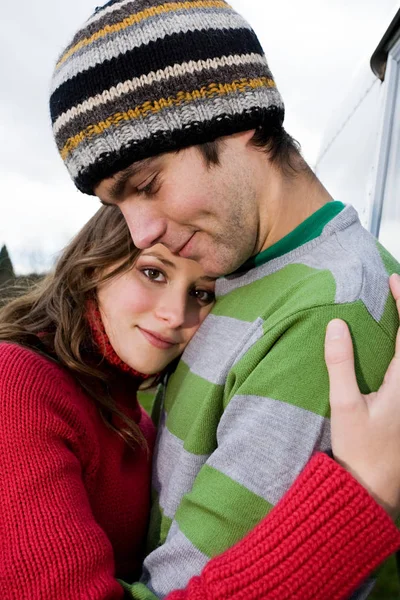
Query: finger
point(339, 358)
point(391, 383)
point(392, 376)
point(397, 350)
point(394, 282)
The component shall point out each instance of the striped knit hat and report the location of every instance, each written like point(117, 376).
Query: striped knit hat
point(142, 77)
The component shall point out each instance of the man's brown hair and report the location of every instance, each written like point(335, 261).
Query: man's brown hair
point(281, 148)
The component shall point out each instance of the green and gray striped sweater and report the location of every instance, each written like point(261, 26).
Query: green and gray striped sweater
point(248, 403)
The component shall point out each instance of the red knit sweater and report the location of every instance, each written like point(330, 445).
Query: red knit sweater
point(75, 497)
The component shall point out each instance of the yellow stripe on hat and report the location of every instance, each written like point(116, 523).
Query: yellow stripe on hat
point(142, 111)
point(141, 16)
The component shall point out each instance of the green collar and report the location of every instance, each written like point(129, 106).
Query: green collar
point(307, 231)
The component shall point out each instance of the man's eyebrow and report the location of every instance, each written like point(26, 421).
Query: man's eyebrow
point(117, 188)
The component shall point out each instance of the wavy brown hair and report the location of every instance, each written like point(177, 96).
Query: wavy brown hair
point(51, 318)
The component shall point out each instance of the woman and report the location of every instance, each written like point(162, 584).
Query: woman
point(76, 447)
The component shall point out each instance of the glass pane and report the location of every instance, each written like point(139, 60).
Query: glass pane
point(346, 168)
point(389, 233)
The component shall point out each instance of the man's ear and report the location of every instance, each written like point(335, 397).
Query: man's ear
point(243, 136)
point(247, 136)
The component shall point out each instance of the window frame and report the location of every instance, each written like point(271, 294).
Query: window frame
point(389, 133)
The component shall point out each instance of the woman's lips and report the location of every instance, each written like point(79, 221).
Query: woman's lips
point(157, 340)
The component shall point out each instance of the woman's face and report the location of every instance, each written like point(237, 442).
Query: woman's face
point(151, 312)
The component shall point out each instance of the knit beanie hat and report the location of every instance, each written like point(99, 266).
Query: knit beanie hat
point(143, 77)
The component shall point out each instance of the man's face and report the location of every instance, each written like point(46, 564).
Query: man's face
point(206, 213)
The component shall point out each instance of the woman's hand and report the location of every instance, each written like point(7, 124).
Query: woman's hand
point(366, 428)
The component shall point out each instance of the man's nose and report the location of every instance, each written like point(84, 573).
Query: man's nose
point(146, 227)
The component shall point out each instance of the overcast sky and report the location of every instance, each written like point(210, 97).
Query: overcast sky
point(314, 48)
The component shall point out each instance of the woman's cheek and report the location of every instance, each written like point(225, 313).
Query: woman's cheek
point(205, 311)
point(137, 298)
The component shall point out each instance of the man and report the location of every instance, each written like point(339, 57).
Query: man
point(170, 111)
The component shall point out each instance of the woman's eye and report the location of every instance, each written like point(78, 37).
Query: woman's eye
point(203, 296)
point(153, 274)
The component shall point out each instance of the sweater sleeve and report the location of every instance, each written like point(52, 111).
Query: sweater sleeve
point(321, 541)
point(51, 545)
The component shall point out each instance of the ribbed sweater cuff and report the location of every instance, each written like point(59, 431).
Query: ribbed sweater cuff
point(322, 540)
